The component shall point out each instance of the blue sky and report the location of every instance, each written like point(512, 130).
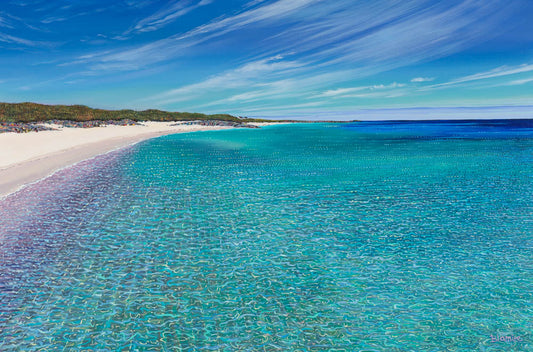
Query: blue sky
point(270, 58)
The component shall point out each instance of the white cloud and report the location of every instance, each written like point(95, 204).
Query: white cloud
point(497, 72)
point(6, 38)
point(167, 15)
point(5, 22)
point(340, 91)
point(348, 92)
point(422, 79)
point(520, 81)
point(247, 75)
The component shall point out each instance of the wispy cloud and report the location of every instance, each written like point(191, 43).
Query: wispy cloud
point(348, 92)
point(340, 91)
point(137, 3)
point(382, 34)
point(167, 15)
point(49, 20)
point(247, 75)
point(179, 44)
point(520, 81)
point(16, 23)
point(422, 79)
point(6, 38)
point(4, 22)
point(497, 72)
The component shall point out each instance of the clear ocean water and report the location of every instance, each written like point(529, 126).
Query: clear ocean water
point(311, 237)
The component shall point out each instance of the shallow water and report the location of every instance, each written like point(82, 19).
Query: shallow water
point(368, 236)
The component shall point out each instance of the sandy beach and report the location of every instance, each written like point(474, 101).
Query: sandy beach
point(29, 157)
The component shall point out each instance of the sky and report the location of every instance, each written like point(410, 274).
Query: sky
point(310, 59)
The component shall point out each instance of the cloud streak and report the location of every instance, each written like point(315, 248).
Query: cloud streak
point(348, 92)
point(520, 81)
point(167, 15)
point(422, 79)
point(6, 38)
point(247, 75)
point(497, 72)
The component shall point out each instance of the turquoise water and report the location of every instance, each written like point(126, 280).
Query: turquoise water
point(311, 237)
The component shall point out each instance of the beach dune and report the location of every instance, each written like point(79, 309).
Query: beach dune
point(29, 157)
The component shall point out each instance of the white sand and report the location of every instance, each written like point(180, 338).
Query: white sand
point(259, 124)
point(28, 157)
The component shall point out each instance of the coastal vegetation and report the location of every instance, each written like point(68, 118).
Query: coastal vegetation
point(33, 112)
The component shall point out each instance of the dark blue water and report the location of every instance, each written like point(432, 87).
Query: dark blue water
point(461, 129)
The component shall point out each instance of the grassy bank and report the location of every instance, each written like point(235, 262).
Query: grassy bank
point(32, 112)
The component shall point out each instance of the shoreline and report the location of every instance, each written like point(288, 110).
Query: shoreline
point(30, 157)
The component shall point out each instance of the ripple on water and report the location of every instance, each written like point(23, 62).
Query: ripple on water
point(311, 237)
